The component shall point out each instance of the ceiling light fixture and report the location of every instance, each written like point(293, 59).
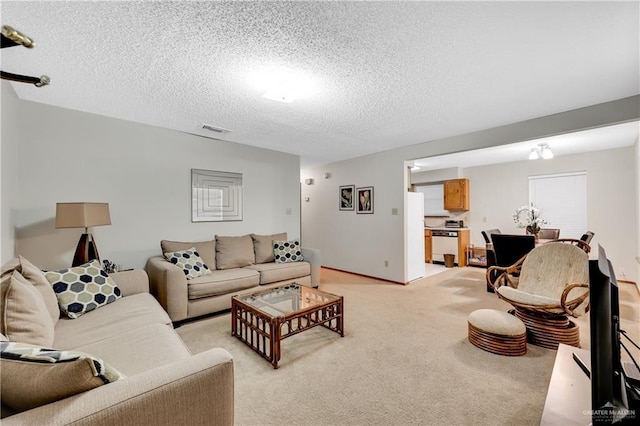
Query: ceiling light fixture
point(281, 83)
point(281, 93)
point(543, 151)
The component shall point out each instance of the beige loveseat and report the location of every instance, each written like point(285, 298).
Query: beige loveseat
point(163, 382)
point(236, 265)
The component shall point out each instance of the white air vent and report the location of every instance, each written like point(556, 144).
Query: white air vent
point(214, 129)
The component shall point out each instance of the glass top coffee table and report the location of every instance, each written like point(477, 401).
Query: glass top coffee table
point(261, 320)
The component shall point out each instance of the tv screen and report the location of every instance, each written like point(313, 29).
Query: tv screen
point(610, 391)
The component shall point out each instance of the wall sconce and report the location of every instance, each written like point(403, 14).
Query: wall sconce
point(326, 175)
point(83, 215)
point(308, 181)
point(543, 151)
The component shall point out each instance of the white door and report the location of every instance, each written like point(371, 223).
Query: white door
point(415, 235)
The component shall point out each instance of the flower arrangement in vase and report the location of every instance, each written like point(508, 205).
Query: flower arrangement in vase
point(528, 217)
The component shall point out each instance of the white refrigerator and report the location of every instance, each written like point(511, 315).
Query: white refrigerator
point(415, 236)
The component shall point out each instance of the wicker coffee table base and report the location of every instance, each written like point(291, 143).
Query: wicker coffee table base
point(264, 333)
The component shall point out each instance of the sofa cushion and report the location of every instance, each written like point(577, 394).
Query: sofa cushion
point(287, 251)
point(23, 314)
point(234, 252)
point(131, 312)
point(206, 249)
point(189, 261)
point(140, 349)
point(263, 246)
point(33, 376)
point(274, 272)
point(222, 282)
point(36, 277)
point(83, 288)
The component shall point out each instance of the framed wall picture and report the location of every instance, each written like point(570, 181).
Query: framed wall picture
point(364, 200)
point(215, 196)
point(346, 195)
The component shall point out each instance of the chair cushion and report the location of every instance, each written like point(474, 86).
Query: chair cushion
point(189, 261)
point(549, 268)
point(206, 249)
point(234, 252)
point(222, 282)
point(33, 376)
point(263, 246)
point(274, 272)
point(83, 288)
point(523, 297)
point(23, 314)
point(287, 251)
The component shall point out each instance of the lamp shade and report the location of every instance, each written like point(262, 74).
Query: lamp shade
point(82, 215)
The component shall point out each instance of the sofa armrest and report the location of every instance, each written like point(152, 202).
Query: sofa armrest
point(196, 391)
point(312, 256)
point(169, 286)
point(131, 282)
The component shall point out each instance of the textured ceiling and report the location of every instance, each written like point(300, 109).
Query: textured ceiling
point(379, 75)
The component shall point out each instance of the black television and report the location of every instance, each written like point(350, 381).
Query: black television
point(614, 398)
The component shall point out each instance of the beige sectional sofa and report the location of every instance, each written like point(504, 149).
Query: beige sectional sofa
point(163, 382)
point(236, 265)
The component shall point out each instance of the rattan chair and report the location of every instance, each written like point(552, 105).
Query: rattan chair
point(552, 285)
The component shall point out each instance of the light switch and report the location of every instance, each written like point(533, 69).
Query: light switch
point(394, 211)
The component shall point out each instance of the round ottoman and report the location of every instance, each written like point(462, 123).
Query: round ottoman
point(497, 332)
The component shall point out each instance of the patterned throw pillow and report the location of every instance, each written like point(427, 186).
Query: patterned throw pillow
point(33, 376)
point(190, 261)
point(287, 251)
point(83, 288)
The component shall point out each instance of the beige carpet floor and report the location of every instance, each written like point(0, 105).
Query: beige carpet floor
point(404, 360)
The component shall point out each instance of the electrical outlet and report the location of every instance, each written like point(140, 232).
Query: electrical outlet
point(386, 263)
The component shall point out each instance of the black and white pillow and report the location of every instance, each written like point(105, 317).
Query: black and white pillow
point(36, 376)
point(189, 261)
point(287, 251)
point(83, 288)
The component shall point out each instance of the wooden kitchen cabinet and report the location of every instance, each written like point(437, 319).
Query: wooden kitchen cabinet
point(427, 247)
point(464, 237)
point(456, 194)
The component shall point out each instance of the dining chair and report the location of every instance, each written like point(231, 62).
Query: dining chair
point(549, 233)
point(508, 249)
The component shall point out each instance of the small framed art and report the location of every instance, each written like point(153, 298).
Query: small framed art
point(364, 200)
point(346, 197)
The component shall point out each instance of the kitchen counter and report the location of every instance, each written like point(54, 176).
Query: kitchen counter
point(442, 228)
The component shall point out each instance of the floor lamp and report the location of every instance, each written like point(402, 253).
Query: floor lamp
point(83, 215)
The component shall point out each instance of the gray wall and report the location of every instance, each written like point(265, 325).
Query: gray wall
point(497, 190)
point(362, 243)
point(51, 155)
